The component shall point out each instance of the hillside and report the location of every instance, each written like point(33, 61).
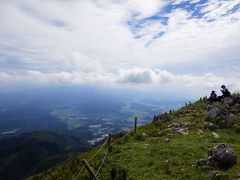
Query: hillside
point(173, 146)
point(31, 153)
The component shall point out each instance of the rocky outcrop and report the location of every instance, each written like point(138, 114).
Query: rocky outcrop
point(221, 156)
point(161, 118)
point(220, 113)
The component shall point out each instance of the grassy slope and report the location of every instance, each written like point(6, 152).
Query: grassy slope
point(154, 158)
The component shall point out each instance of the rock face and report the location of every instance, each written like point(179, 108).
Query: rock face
point(221, 156)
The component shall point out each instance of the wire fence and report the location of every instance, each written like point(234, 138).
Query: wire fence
point(104, 157)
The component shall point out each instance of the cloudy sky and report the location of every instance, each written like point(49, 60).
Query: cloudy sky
point(173, 44)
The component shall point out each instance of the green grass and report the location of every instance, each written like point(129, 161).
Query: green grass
point(154, 158)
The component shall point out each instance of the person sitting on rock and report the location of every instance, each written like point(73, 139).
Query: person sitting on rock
point(225, 93)
point(213, 97)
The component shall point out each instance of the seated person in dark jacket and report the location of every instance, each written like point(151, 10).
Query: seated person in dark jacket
point(225, 93)
point(213, 97)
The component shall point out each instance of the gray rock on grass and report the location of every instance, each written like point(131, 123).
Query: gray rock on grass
point(213, 113)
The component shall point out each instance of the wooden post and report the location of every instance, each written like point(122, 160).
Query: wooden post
point(89, 169)
point(109, 142)
point(135, 128)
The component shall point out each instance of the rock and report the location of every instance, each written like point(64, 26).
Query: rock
point(227, 122)
point(214, 174)
point(180, 124)
point(202, 161)
point(161, 118)
point(224, 123)
point(180, 127)
point(232, 117)
point(200, 132)
point(215, 135)
point(213, 113)
point(209, 106)
point(236, 106)
point(175, 125)
point(227, 101)
point(236, 100)
point(183, 131)
point(211, 126)
point(222, 156)
point(143, 136)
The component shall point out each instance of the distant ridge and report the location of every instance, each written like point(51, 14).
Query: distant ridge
point(31, 153)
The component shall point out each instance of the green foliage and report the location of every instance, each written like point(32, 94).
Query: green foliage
point(155, 157)
point(31, 153)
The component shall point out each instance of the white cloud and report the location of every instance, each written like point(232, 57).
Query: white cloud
point(147, 78)
point(90, 41)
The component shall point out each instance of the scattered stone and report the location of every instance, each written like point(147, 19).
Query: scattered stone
point(183, 131)
point(211, 126)
point(215, 135)
point(143, 136)
point(200, 132)
point(179, 124)
point(213, 113)
point(222, 156)
point(180, 127)
point(214, 174)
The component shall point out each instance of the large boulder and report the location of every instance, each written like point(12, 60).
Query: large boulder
point(212, 113)
point(222, 156)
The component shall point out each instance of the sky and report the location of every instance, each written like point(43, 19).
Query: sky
point(176, 46)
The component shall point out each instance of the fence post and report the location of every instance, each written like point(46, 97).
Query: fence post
point(135, 127)
point(109, 142)
point(89, 169)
